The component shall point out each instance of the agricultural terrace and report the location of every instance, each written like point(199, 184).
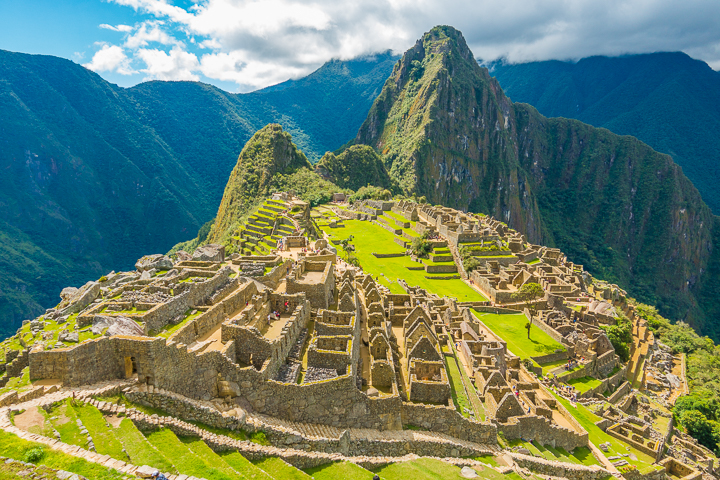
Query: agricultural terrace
point(370, 238)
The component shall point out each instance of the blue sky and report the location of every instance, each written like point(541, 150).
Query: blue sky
point(242, 45)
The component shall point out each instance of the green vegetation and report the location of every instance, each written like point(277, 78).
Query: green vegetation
point(183, 458)
point(698, 412)
point(369, 237)
point(138, 448)
point(244, 466)
point(103, 437)
point(511, 328)
point(14, 447)
point(420, 245)
point(459, 396)
point(167, 143)
point(587, 420)
point(620, 335)
point(647, 86)
point(371, 192)
point(583, 384)
point(581, 204)
point(356, 167)
point(335, 471)
point(280, 469)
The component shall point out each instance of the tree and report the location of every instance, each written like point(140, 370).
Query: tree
point(528, 293)
point(698, 426)
point(620, 336)
point(348, 247)
point(420, 245)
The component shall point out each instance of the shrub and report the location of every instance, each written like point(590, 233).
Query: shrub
point(102, 279)
point(33, 455)
point(420, 245)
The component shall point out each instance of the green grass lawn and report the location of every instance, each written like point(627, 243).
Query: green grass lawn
point(14, 447)
point(183, 458)
point(63, 419)
point(140, 451)
point(101, 432)
point(511, 328)
point(169, 329)
point(281, 470)
point(431, 469)
point(244, 466)
point(369, 238)
point(583, 384)
point(478, 407)
point(548, 367)
point(205, 453)
point(339, 470)
point(460, 399)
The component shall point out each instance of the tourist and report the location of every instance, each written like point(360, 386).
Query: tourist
point(158, 476)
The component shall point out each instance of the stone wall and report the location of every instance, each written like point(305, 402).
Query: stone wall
point(206, 321)
point(252, 348)
point(541, 430)
point(96, 360)
point(551, 357)
point(275, 275)
point(447, 420)
point(559, 469)
point(320, 293)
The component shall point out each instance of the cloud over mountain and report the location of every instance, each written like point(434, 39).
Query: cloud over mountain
point(258, 43)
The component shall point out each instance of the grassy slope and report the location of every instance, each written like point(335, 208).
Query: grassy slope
point(88, 162)
point(281, 470)
point(138, 448)
point(344, 470)
point(14, 447)
point(184, 459)
point(667, 100)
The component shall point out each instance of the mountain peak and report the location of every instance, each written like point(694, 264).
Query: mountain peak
point(270, 151)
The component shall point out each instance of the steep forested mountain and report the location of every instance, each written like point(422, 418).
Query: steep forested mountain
point(668, 100)
point(96, 175)
point(446, 130)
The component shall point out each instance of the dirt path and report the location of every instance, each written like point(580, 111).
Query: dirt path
point(114, 420)
point(30, 418)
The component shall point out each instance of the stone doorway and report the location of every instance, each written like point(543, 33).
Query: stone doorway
point(130, 367)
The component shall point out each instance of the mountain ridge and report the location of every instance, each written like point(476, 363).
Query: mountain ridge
point(666, 99)
point(100, 175)
point(447, 131)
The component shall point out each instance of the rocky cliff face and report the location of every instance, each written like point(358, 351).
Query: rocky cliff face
point(446, 130)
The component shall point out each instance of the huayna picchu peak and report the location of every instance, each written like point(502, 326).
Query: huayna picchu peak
point(466, 289)
point(446, 131)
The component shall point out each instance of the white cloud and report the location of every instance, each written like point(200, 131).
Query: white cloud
point(255, 43)
point(110, 58)
point(116, 28)
point(175, 65)
point(149, 32)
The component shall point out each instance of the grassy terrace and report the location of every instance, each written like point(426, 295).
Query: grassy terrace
point(474, 398)
point(459, 396)
point(369, 238)
point(511, 328)
point(169, 329)
point(14, 447)
point(584, 384)
point(340, 470)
